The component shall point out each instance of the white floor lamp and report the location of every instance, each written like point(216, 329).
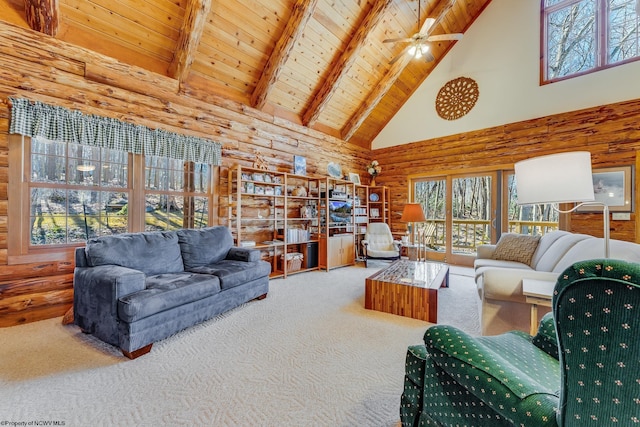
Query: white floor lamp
point(559, 178)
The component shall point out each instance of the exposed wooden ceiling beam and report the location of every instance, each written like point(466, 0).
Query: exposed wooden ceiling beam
point(42, 15)
point(302, 12)
point(193, 25)
point(387, 82)
point(344, 63)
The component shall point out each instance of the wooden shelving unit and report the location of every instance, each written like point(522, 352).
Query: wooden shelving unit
point(337, 229)
point(277, 213)
point(379, 204)
point(301, 223)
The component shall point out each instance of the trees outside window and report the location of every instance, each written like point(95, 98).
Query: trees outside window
point(76, 192)
point(581, 36)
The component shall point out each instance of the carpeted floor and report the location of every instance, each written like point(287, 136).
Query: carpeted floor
point(308, 355)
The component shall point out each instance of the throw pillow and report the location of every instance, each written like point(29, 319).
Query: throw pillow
point(516, 247)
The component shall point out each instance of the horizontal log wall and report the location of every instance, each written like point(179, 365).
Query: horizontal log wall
point(38, 67)
point(611, 133)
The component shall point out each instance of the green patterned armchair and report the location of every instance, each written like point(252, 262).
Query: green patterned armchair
point(581, 369)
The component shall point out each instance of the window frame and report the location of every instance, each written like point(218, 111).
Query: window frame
point(20, 248)
point(601, 41)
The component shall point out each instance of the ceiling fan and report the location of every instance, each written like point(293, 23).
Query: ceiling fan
point(419, 42)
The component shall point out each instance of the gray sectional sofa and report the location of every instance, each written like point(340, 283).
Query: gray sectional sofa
point(133, 289)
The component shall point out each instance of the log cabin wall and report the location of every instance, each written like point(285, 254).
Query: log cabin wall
point(37, 67)
point(611, 133)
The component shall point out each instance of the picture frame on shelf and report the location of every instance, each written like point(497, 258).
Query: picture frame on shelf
point(613, 187)
point(354, 177)
point(374, 213)
point(299, 165)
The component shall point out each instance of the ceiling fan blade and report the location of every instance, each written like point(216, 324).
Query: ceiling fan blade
point(428, 23)
point(442, 37)
point(398, 56)
point(403, 39)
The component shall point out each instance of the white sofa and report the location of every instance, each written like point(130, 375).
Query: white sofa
point(503, 306)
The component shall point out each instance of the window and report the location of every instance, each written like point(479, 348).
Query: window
point(76, 192)
point(535, 220)
point(74, 176)
point(581, 36)
point(176, 194)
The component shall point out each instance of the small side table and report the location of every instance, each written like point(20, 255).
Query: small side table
point(537, 292)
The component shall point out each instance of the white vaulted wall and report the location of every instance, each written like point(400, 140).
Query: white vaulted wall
point(501, 52)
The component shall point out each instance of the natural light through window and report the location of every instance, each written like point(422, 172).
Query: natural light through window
point(580, 36)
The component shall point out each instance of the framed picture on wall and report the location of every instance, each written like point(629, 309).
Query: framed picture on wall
point(613, 187)
point(299, 165)
point(354, 177)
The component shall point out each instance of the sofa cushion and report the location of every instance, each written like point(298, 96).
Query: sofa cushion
point(516, 247)
point(204, 246)
point(233, 273)
point(554, 246)
point(166, 291)
point(149, 252)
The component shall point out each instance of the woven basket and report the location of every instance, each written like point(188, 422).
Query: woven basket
point(294, 261)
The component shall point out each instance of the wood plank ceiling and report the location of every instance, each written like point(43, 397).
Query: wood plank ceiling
point(321, 63)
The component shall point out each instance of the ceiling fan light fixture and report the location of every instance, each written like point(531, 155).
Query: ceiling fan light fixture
point(413, 50)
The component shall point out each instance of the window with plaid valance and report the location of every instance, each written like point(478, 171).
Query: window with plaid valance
point(36, 119)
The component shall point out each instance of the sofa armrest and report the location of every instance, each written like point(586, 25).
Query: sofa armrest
point(243, 254)
point(485, 251)
point(546, 338)
point(505, 284)
point(96, 291)
point(108, 282)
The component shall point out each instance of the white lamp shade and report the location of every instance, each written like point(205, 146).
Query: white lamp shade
point(556, 178)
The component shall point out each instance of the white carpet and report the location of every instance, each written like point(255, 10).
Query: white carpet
point(308, 355)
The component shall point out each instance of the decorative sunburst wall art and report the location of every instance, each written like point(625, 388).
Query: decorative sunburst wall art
point(456, 98)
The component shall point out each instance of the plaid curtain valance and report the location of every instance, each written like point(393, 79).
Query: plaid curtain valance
point(36, 119)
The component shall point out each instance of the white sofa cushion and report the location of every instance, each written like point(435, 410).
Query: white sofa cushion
point(554, 246)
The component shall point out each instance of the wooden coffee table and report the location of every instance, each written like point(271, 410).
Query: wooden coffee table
point(407, 288)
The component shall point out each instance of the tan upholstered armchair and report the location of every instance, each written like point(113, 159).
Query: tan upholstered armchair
point(378, 243)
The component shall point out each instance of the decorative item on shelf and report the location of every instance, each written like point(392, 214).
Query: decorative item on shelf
point(299, 191)
point(260, 162)
point(374, 197)
point(374, 170)
point(354, 177)
point(264, 212)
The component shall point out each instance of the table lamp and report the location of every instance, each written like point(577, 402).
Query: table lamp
point(412, 213)
point(559, 178)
